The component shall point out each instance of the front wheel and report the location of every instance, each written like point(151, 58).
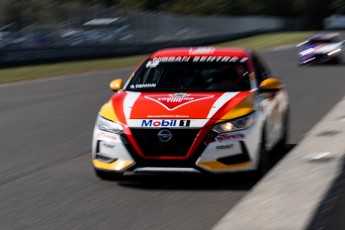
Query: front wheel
point(264, 164)
point(281, 145)
point(108, 175)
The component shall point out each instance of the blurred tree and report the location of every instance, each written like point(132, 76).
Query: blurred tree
point(141, 4)
point(338, 6)
point(278, 8)
point(309, 13)
point(315, 12)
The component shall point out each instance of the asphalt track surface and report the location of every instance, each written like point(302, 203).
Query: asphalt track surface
point(47, 181)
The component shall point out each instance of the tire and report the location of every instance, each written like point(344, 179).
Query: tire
point(281, 145)
point(336, 61)
point(264, 164)
point(108, 175)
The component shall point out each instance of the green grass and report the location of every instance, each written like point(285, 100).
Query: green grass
point(63, 68)
point(267, 41)
point(264, 41)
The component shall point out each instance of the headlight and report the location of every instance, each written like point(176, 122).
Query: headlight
point(108, 126)
point(334, 52)
point(307, 51)
point(236, 124)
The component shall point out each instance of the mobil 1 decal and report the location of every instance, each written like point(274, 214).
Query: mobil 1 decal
point(165, 123)
point(174, 101)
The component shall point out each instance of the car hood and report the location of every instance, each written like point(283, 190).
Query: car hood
point(136, 109)
point(320, 49)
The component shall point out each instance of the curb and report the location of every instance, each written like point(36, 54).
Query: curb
point(290, 194)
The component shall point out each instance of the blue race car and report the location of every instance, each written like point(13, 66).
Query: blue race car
point(321, 48)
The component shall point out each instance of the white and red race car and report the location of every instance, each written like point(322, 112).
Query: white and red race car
point(192, 110)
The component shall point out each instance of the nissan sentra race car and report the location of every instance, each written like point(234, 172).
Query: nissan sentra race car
point(192, 110)
point(321, 48)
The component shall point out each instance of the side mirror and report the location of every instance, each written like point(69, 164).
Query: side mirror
point(271, 85)
point(116, 85)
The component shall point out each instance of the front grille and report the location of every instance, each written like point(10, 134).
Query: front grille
point(320, 57)
point(152, 146)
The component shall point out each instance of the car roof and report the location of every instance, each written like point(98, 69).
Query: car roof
point(323, 36)
point(202, 51)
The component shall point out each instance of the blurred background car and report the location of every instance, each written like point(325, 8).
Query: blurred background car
point(321, 48)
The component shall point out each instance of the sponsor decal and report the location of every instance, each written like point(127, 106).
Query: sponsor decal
point(218, 59)
point(229, 136)
point(174, 101)
point(155, 61)
point(108, 145)
point(167, 116)
point(152, 64)
point(202, 58)
point(165, 123)
point(201, 50)
point(140, 86)
point(185, 123)
point(225, 147)
point(105, 135)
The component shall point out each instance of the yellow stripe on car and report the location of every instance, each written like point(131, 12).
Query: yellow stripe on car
point(216, 165)
point(114, 166)
point(107, 111)
point(243, 108)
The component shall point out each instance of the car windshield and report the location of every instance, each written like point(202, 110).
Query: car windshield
point(323, 41)
point(154, 76)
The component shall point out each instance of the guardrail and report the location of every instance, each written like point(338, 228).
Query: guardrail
point(144, 33)
point(15, 56)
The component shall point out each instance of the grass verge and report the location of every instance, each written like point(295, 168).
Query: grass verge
point(268, 41)
point(264, 41)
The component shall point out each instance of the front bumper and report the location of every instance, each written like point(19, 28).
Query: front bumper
point(318, 58)
point(228, 152)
